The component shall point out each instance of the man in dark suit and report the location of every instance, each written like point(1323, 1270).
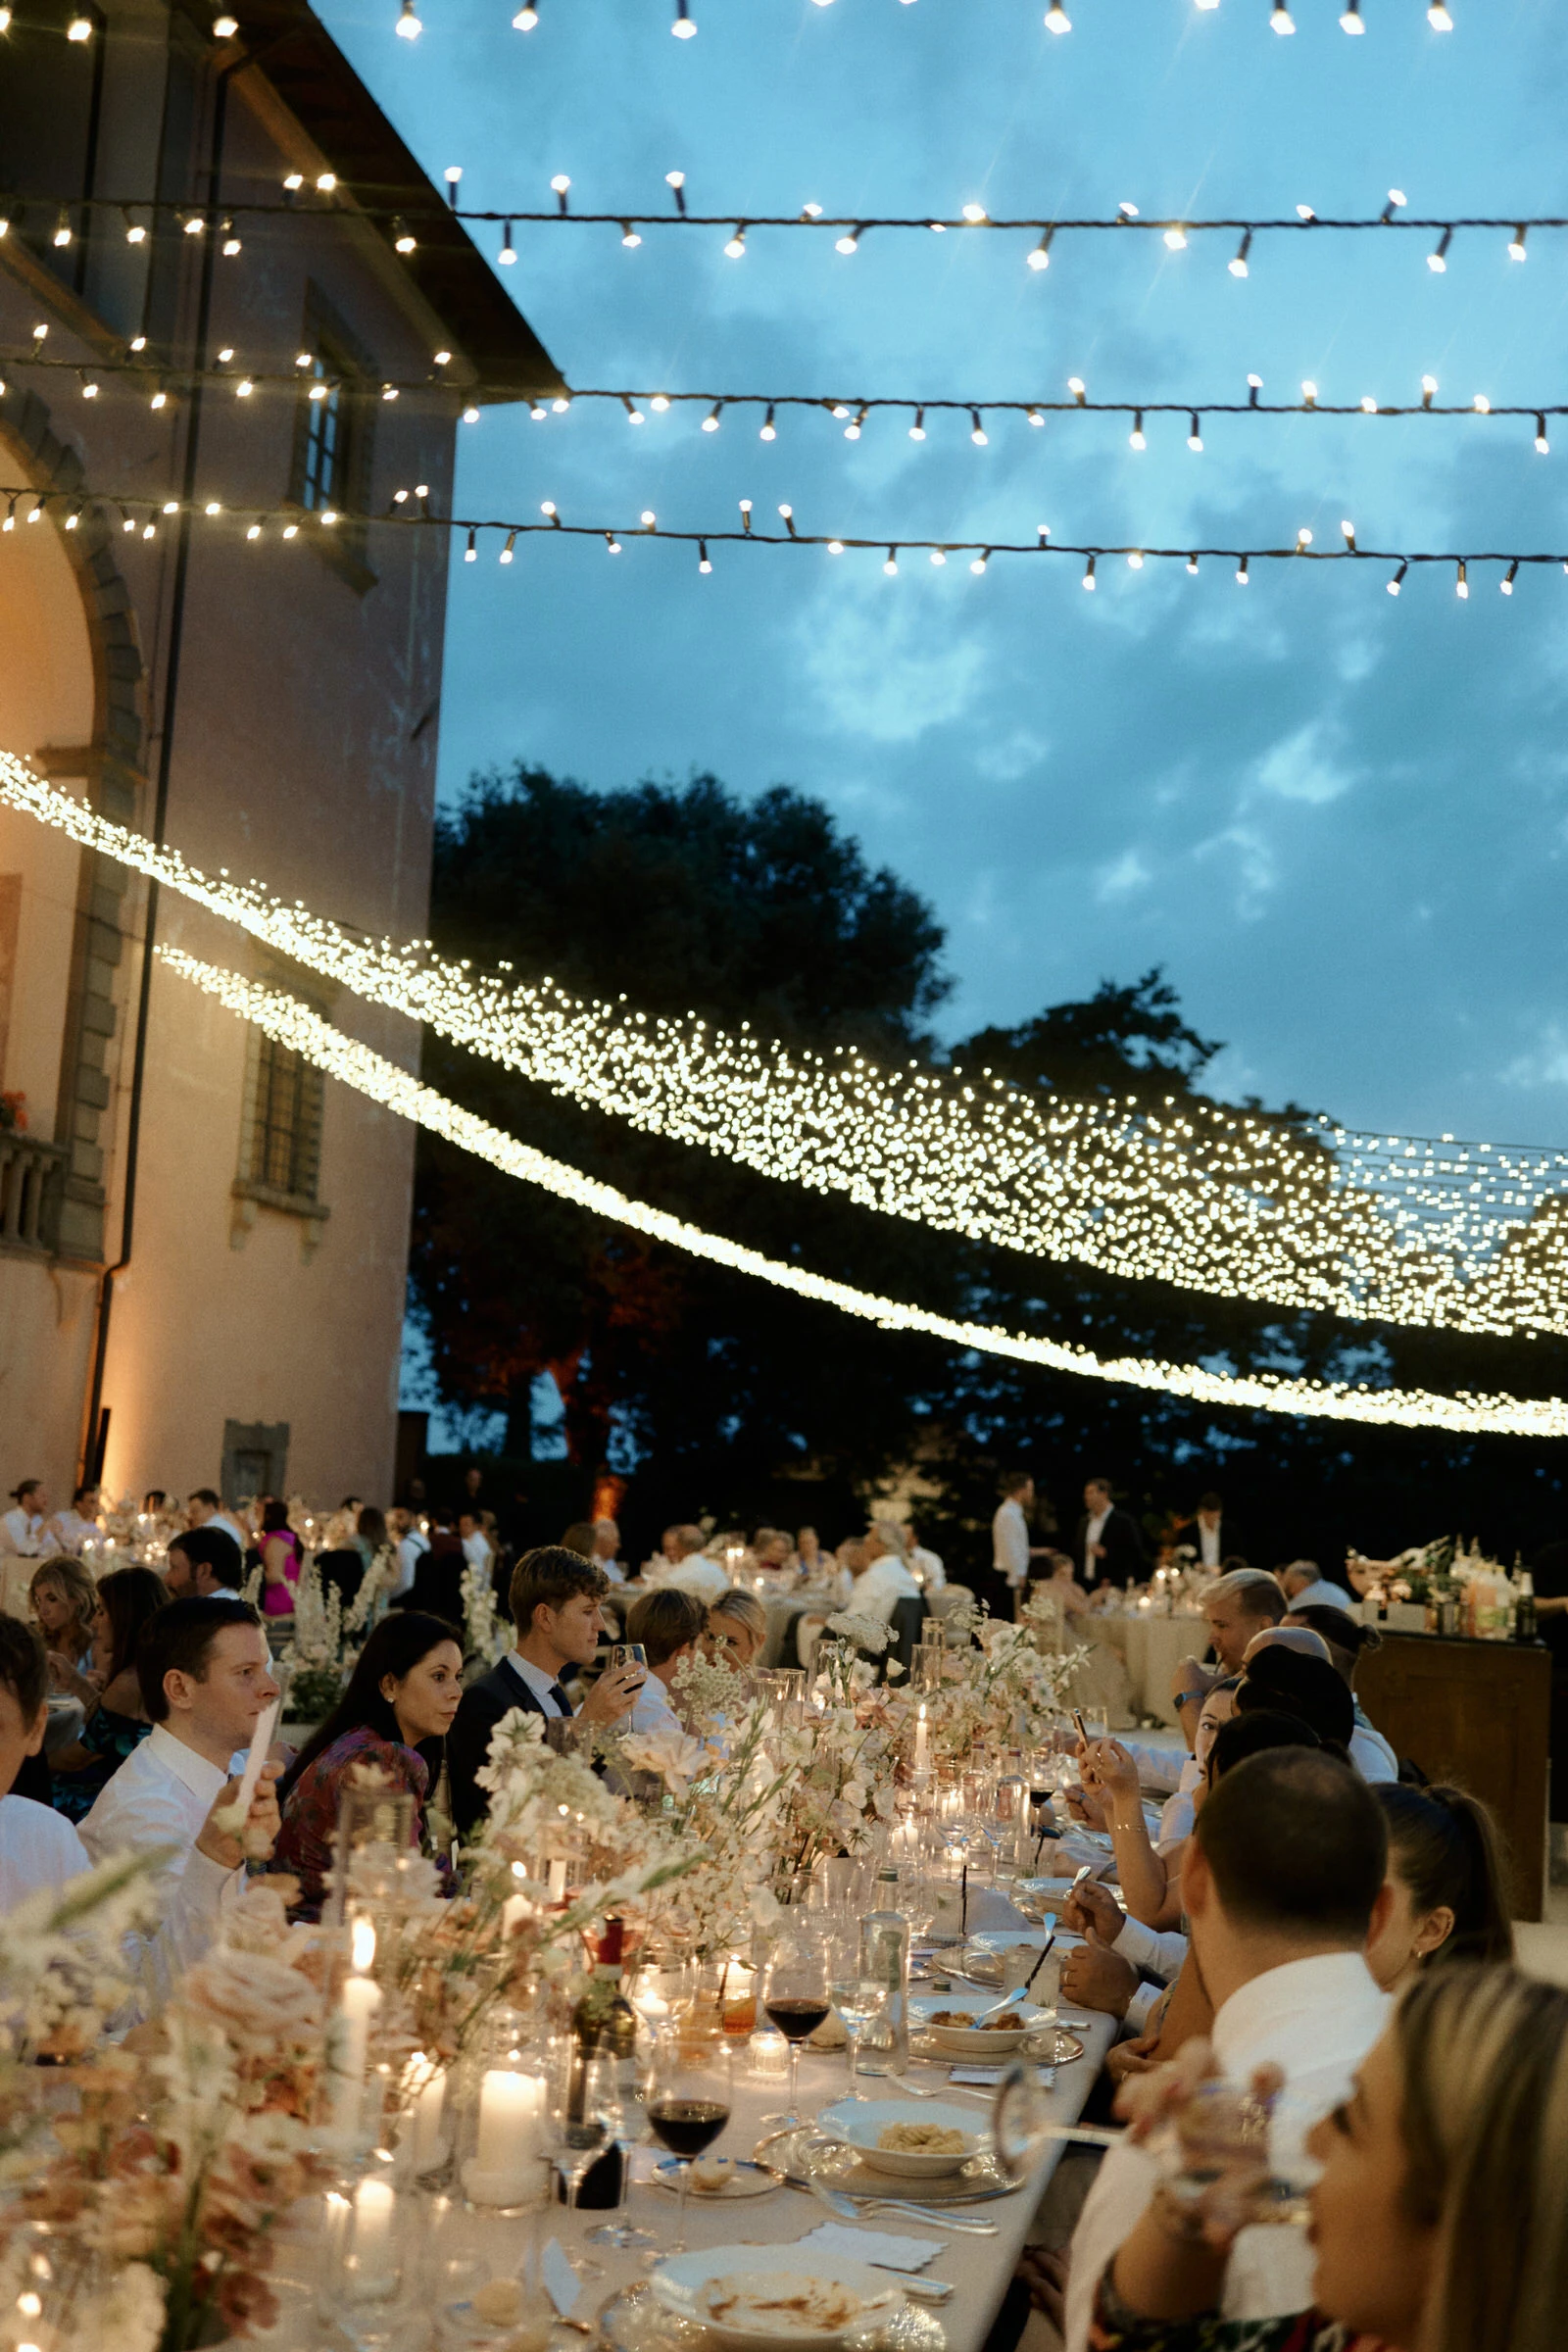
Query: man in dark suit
point(1108, 1547)
point(555, 1604)
point(1214, 1536)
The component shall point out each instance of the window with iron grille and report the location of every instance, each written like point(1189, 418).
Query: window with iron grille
point(285, 1154)
point(323, 469)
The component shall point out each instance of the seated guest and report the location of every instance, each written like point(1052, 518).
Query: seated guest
point(42, 1852)
point(737, 1629)
point(1283, 1885)
point(116, 1722)
point(1446, 1881)
point(770, 1547)
point(579, 1537)
point(204, 1509)
point(1285, 1682)
point(885, 1579)
point(203, 1560)
point(73, 1528)
point(668, 1624)
point(405, 1690)
point(64, 1601)
point(1304, 1586)
point(1437, 2215)
point(204, 1676)
point(808, 1551)
point(606, 1553)
point(279, 1547)
point(1346, 1643)
point(555, 1604)
point(437, 1586)
point(1238, 1605)
point(412, 1543)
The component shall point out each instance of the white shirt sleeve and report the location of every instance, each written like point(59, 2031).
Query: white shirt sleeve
point(1160, 1951)
point(1157, 1767)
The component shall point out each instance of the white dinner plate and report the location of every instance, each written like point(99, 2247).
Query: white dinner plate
point(685, 2285)
point(972, 2041)
point(860, 2123)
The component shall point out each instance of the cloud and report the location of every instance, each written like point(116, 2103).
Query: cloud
point(876, 672)
point(1297, 770)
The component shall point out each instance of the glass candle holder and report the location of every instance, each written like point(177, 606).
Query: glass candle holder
point(500, 2139)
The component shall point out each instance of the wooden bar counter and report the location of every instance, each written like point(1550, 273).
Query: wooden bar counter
point(1475, 1713)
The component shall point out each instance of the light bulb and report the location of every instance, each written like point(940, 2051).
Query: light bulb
point(135, 234)
point(1242, 573)
point(1461, 585)
point(403, 238)
point(1482, 405)
point(917, 428)
point(408, 24)
point(847, 243)
point(938, 556)
point(975, 214)
point(1176, 239)
point(979, 563)
point(977, 434)
point(1089, 573)
point(526, 18)
point(769, 430)
point(710, 420)
point(1058, 18)
point(1136, 438)
point(658, 404)
point(1437, 260)
point(224, 27)
point(62, 235)
point(1369, 407)
point(1439, 18)
point(79, 28)
point(1135, 559)
point(1282, 20)
point(735, 250)
point(1351, 20)
point(1542, 445)
point(629, 235)
point(1040, 257)
point(1194, 438)
point(683, 28)
point(1509, 577)
point(1516, 245)
point(1238, 266)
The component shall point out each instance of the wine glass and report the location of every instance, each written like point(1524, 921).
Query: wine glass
point(857, 1999)
point(626, 2104)
point(580, 2105)
point(688, 2104)
point(794, 1995)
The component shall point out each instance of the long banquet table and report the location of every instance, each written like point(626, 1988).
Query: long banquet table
point(980, 2269)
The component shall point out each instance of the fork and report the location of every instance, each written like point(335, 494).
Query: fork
point(849, 2209)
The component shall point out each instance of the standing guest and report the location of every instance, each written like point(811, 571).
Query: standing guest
point(116, 1723)
point(737, 1629)
point(203, 1560)
point(1109, 1541)
point(579, 1537)
point(1282, 1881)
point(203, 1672)
point(555, 1601)
point(64, 1602)
point(1437, 2214)
point(1217, 1538)
point(1449, 1899)
point(72, 1529)
point(205, 1509)
point(606, 1553)
point(668, 1623)
point(405, 1690)
point(22, 1527)
point(279, 1547)
point(1010, 1547)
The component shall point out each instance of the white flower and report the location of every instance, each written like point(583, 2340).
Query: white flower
point(866, 1633)
point(671, 1753)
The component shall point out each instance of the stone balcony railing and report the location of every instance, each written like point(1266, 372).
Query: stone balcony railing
point(31, 1186)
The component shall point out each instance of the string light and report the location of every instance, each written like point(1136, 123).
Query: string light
point(301, 1030)
point(409, 25)
point(400, 517)
point(683, 28)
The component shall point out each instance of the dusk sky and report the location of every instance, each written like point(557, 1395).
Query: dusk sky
point(1338, 819)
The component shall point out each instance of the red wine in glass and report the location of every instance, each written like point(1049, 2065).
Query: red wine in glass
point(687, 2125)
point(797, 2019)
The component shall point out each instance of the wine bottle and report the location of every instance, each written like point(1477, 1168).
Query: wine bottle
point(1525, 1623)
point(604, 2024)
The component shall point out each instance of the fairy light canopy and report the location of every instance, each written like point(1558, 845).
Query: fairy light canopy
point(1212, 1199)
point(341, 1056)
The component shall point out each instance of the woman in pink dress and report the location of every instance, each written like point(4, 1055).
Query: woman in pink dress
point(280, 1560)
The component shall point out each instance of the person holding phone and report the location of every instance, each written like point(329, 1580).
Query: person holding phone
point(667, 1625)
point(557, 1602)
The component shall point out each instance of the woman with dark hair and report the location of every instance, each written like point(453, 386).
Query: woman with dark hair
point(404, 1690)
point(279, 1549)
point(1445, 1874)
point(116, 1723)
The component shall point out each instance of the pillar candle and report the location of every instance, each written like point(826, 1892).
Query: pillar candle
point(361, 2000)
point(375, 2259)
point(508, 2119)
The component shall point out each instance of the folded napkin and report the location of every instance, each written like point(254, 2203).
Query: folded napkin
point(879, 2247)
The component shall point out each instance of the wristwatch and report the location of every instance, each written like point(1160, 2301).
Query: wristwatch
point(1190, 1698)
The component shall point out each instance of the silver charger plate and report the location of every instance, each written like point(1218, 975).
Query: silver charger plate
point(635, 2321)
point(803, 2156)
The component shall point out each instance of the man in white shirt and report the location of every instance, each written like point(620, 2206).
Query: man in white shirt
point(923, 1564)
point(201, 1561)
point(607, 1549)
point(204, 1509)
point(1306, 1587)
point(667, 1623)
point(411, 1543)
point(883, 1582)
point(476, 1542)
point(1283, 1886)
point(22, 1527)
point(556, 1607)
point(1010, 1547)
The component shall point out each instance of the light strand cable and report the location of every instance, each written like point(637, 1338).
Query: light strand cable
point(303, 1031)
point(1196, 1195)
point(406, 515)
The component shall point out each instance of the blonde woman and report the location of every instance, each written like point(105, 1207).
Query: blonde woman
point(737, 1629)
point(64, 1601)
point(1439, 2222)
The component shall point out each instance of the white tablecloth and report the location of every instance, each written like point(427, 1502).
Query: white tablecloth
point(1152, 1647)
point(980, 2268)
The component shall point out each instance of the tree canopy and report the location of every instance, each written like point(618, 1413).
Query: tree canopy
point(729, 1395)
